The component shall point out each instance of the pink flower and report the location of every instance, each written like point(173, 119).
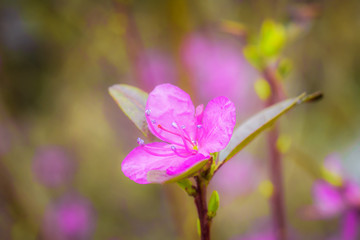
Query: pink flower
point(189, 136)
point(340, 198)
point(328, 201)
point(52, 166)
point(71, 217)
point(218, 64)
point(333, 200)
point(156, 68)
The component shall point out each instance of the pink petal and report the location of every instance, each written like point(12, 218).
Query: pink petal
point(349, 225)
point(328, 200)
point(172, 108)
point(218, 124)
point(144, 167)
point(199, 112)
point(352, 193)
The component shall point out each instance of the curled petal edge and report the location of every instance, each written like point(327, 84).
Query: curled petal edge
point(161, 176)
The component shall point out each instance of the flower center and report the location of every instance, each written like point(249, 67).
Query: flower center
point(163, 151)
point(188, 146)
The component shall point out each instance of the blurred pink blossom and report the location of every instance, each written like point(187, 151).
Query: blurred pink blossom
point(219, 67)
point(70, 218)
point(332, 200)
point(337, 200)
point(327, 199)
point(52, 166)
point(155, 67)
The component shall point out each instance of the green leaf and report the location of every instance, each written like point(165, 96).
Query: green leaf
point(214, 203)
point(246, 132)
point(161, 176)
point(132, 102)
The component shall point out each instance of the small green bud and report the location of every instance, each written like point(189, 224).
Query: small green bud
point(251, 54)
point(187, 186)
point(284, 68)
point(262, 89)
point(213, 166)
point(272, 38)
point(213, 204)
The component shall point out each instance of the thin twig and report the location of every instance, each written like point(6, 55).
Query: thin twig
point(201, 205)
point(277, 199)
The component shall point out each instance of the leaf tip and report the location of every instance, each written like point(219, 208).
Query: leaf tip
point(316, 96)
point(111, 89)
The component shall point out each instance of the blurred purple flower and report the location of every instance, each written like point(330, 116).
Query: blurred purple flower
point(52, 166)
point(189, 135)
point(350, 225)
point(239, 176)
point(70, 218)
point(221, 68)
point(339, 196)
point(156, 68)
point(351, 193)
point(328, 201)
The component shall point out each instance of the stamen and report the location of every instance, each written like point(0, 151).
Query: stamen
point(179, 154)
point(198, 129)
point(148, 149)
point(177, 134)
point(156, 133)
point(186, 133)
point(147, 112)
point(174, 125)
point(187, 137)
point(155, 151)
point(153, 121)
point(140, 141)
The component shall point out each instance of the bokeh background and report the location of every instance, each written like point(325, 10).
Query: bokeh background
point(62, 137)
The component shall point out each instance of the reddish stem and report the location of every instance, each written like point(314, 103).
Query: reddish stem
point(277, 199)
point(201, 205)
